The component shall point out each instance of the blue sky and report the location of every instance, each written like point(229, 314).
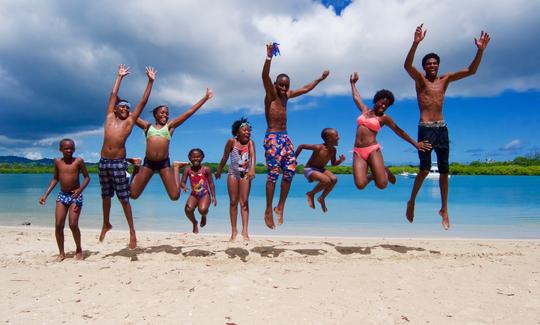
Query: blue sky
point(59, 61)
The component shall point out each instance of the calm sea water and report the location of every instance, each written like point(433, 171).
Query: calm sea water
point(480, 206)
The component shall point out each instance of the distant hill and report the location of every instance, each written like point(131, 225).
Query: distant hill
point(22, 160)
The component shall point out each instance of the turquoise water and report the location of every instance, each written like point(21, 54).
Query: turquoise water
point(480, 206)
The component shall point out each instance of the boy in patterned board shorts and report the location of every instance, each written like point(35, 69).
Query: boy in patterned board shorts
point(119, 123)
point(70, 200)
point(279, 150)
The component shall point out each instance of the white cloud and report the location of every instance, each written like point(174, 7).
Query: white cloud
point(33, 155)
point(74, 48)
point(513, 145)
point(77, 137)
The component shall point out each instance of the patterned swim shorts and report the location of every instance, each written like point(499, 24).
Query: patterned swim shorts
point(66, 199)
point(113, 178)
point(279, 153)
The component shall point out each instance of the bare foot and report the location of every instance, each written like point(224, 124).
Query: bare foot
point(60, 257)
point(104, 231)
point(203, 221)
point(445, 219)
point(269, 219)
point(245, 236)
point(195, 228)
point(310, 198)
point(233, 236)
point(279, 216)
point(410, 211)
point(79, 256)
point(391, 177)
point(322, 203)
point(132, 242)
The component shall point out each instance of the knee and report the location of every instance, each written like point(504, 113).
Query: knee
point(244, 205)
point(381, 184)
point(73, 226)
point(361, 184)
point(423, 173)
point(174, 197)
point(333, 180)
point(203, 211)
point(188, 209)
point(234, 202)
point(59, 227)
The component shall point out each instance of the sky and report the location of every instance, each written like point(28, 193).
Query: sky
point(59, 58)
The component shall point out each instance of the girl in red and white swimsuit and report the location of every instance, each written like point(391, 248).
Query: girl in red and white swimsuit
point(367, 152)
point(203, 191)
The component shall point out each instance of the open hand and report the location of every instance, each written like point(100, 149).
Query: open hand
point(354, 78)
point(483, 41)
point(341, 158)
point(151, 73)
point(423, 146)
point(209, 93)
point(419, 34)
point(123, 70)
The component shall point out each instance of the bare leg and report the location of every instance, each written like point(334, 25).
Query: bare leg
point(74, 213)
point(191, 204)
point(360, 172)
point(126, 206)
point(171, 179)
point(202, 206)
point(323, 182)
point(139, 181)
point(60, 220)
point(391, 177)
point(333, 180)
point(268, 216)
point(244, 187)
point(443, 186)
point(418, 181)
point(285, 187)
point(106, 205)
point(376, 164)
point(232, 187)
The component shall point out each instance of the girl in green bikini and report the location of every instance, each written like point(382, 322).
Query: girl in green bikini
point(158, 137)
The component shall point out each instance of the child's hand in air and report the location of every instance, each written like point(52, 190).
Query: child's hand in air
point(123, 70)
point(151, 73)
point(325, 74)
point(341, 159)
point(354, 78)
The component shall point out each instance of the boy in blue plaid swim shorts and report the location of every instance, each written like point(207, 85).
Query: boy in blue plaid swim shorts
point(278, 147)
point(70, 200)
point(119, 123)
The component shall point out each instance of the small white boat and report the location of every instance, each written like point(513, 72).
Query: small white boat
point(434, 172)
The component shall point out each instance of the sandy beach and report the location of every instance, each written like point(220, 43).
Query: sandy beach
point(186, 279)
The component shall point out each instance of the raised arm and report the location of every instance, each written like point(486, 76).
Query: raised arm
point(226, 152)
point(419, 35)
point(420, 146)
point(142, 124)
point(86, 179)
point(251, 172)
point(187, 114)
point(267, 82)
point(122, 72)
point(151, 73)
point(356, 95)
point(481, 45)
point(307, 88)
point(52, 184)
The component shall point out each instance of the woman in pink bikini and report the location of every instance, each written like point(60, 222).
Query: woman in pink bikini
point(367, 152)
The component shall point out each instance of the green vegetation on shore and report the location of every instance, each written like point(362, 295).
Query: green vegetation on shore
point(529, 165)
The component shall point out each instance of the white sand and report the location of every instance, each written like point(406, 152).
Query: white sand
point(270, 281)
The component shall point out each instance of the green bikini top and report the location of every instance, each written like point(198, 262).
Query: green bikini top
point(163, 132)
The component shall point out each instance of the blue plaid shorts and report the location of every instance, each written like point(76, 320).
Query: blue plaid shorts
point(66, 199)
point(113, 178)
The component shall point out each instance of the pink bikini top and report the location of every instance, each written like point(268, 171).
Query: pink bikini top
point(371, 123)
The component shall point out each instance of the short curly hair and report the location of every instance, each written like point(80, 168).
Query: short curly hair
point(238, 124)
point(430, 56)
point(194, 150)
point(384, 93)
